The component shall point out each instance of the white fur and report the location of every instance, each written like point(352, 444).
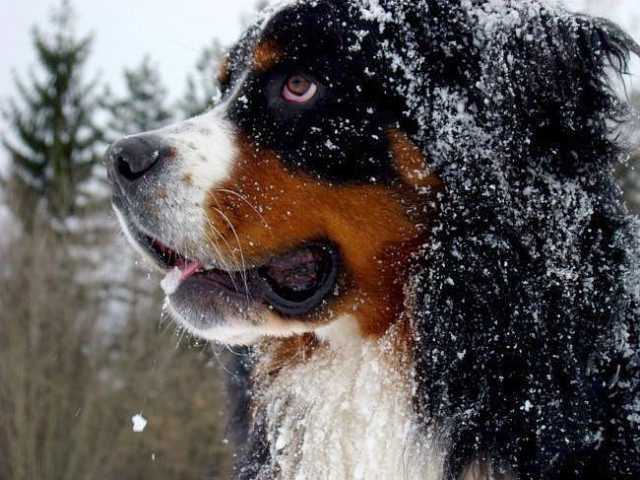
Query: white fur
point(346, 413)
point(205, 146)
point(204, 150)
point(237, 330)
point(205, 153)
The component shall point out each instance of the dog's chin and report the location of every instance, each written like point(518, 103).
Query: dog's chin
point(212, 308)
point(277, 299)
point(280, 296)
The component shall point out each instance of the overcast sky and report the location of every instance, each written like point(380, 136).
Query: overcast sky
point(172, 32)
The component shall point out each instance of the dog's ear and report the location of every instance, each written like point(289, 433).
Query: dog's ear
point(607, 42)
point(560, 78)
point(595, 50)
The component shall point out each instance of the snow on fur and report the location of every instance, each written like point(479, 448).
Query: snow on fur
point(530, 278)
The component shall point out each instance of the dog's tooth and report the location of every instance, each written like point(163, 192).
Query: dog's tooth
point(171, 281)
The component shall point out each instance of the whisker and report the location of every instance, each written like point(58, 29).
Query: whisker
point(225, 263)
point(244, 199)
point(244, 353)
point(229, 264)
point(243, 269)
point(183, 332)
point(243, 266)
point(215, 245)
point(222, 365)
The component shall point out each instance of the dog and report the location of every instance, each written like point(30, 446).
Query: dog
point(407, 212)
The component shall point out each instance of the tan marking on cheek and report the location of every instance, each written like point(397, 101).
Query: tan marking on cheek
point(274, 210)
point(409, 161)
point(266, 54)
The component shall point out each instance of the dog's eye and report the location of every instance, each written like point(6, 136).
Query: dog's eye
point(299, 89)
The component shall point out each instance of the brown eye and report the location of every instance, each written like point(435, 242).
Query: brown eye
point(299, 89)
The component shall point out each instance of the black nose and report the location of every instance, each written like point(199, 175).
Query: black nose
point(132, 158)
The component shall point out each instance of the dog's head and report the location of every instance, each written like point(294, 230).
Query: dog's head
point(297, 201)
point(292, 202)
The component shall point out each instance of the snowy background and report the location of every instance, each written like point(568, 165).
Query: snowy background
point(172, 32)
point(146, 368)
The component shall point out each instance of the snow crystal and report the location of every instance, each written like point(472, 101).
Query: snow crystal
point(527, 406)
point(373, 11)
point(139, 422)
point(171, 281)
point(282, 440)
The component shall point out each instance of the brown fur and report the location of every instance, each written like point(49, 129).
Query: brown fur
point(273, 209)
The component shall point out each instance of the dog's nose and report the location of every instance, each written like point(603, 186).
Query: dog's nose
point(131, 158)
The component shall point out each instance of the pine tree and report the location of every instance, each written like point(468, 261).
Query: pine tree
point(81, 348)
point(143, 108)
point(202, 88)
point(53, 146)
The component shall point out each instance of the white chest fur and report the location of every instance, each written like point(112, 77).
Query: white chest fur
point(346, 413)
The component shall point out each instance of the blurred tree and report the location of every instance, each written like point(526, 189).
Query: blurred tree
point(143, 108)
point(55, 137)
point(202, 87)
point(81, 350)
point(248, 18)
point(629, 173)
point(69, 383)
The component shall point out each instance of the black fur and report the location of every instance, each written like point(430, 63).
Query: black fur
point(352, 109)
point(526, 297)
point(527, 286)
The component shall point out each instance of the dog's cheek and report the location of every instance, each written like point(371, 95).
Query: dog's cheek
point(266, 209)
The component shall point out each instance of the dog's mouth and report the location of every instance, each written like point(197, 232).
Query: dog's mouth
point(293, 283)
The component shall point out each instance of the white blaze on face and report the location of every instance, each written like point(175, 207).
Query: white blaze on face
point(200, 156)
point(205, 148)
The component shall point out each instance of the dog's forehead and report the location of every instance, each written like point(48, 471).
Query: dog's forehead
point(309, 21)
point(302, 31)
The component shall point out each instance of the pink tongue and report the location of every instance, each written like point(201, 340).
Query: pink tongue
point(189, 268)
